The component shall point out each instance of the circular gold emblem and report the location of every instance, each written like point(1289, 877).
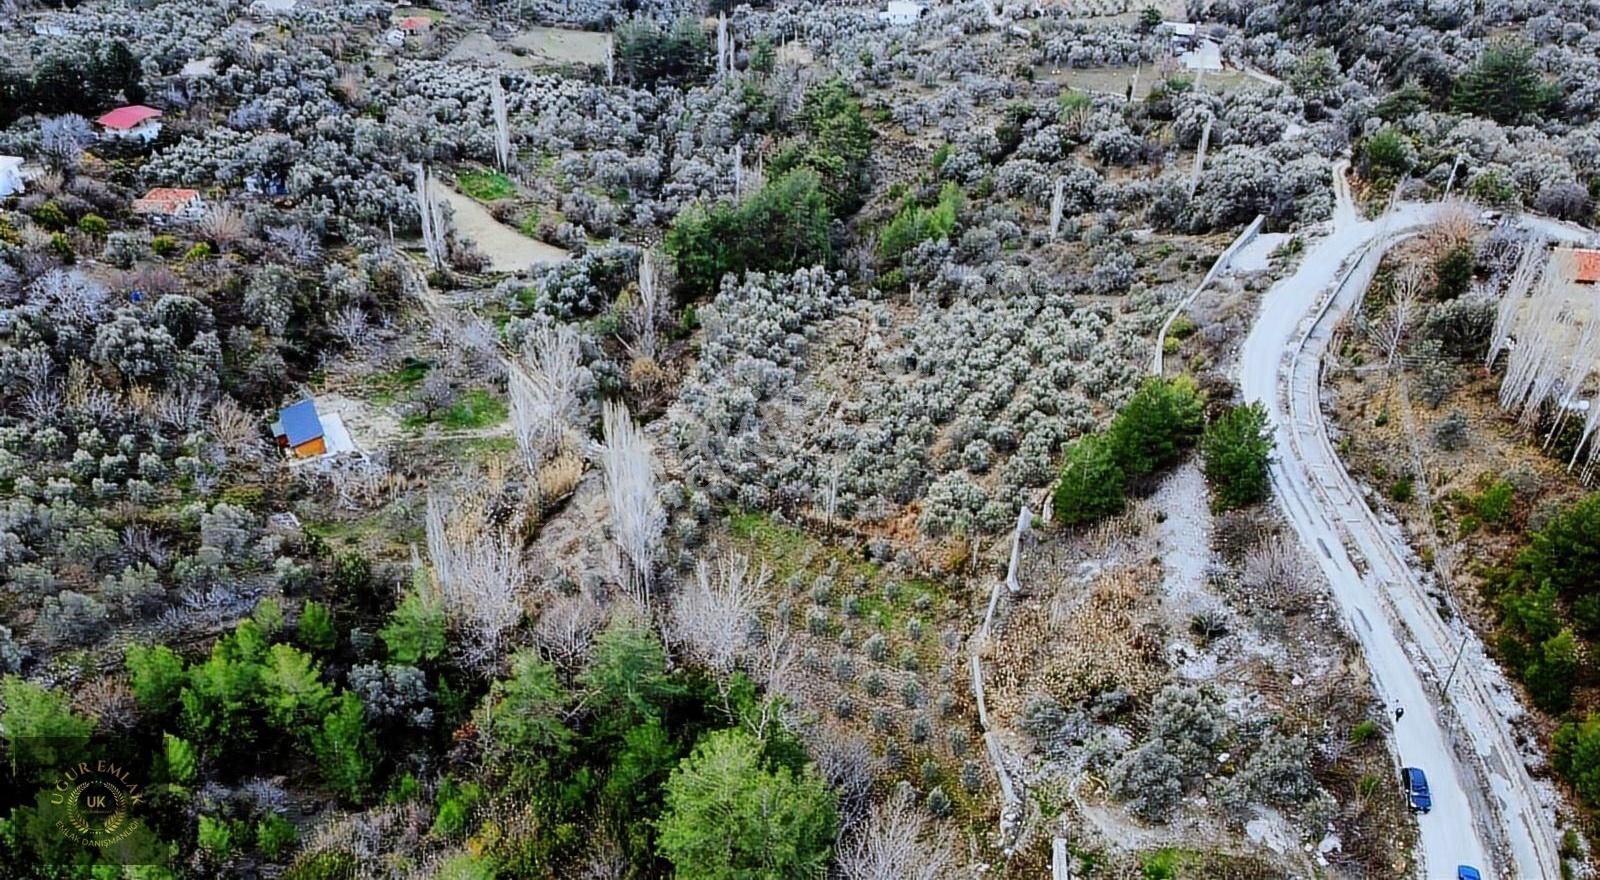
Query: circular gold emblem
point(95, 801)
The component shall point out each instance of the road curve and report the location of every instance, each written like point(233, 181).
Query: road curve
point(1488, 811)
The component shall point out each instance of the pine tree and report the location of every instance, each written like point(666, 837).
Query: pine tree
point(1237, 449)
point(1503, 85)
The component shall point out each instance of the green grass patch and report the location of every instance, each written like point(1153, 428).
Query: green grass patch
point(486, 186)
point(1166, 864)
point(385, 387)
point(489, 447)
point(887, 602)
point(530, 223)
point(475, 409)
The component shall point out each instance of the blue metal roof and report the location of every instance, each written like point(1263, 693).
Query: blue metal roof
point(300, 422)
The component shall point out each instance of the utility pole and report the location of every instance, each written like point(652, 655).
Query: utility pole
point(1444, 689)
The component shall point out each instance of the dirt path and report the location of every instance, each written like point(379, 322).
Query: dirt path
point(507, 249)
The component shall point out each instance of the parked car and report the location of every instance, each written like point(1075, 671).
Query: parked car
point(1467, 872)
point(1416, 786)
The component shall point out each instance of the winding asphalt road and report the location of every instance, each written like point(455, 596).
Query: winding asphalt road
point(1487, 809)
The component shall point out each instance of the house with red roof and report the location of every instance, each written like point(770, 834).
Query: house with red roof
point(1586, 266)
point(135, 122)
point(167, 204)
point(416, 24)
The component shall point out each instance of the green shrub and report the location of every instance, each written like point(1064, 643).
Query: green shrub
point(1494, 504)
point(456, 803)
point(1551, 672)
point(1091, 485)
point(783, 227)
point(344, 748)
point(415, 632)
point(916, 223)
point(1504, 85)
point(323, 865)
point(1494, 189)
point(215, 837)
point(163, 245)
point(1453, 272)
point(198, 253)
point(50, 216)
point(646, 53)
point(275, 836)
point(728, 813)
point(1403, 489)
point(61, 246)
point(178, 758)
point(93, 224)
point(486, 186)
point(39, 726)
point(1363, 731)
point(1237, 448)
point(1388, 154)
point(836, 144)
point(1565, 553)
point(156, 677)
point(315, 629)
point(268, 615)
point(1162, 419)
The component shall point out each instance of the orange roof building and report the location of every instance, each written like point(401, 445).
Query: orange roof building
point(1586, 266)
point(414, 23)
point(168, 202)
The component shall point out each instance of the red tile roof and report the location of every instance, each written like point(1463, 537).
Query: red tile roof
point(416, 23)
point(1586, 266)
point(124, 118)
point(164, 200)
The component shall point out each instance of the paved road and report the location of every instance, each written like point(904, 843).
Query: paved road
point(1487, 810)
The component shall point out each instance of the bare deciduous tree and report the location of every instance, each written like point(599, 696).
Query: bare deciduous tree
point(434, 225)
point(849, 765)
point(502, 123)
point(567, 628)
point(479, 573)
point(644, 317)
point(898, 843)
point(1404, 294)
point(637, 517)
point(714, 618)
point(544, 393)
point(235, 430)
point(298, 244)
point(1274, 570)
point(222, 225)
point(350, 324)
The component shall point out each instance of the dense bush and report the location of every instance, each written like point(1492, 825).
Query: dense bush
point(917, 223)
point(783, 227)
point(731, 814)
point(1505, 86)
point(836, 143)
point(1162, 419)
point(1237, 447)
point(1091, 483)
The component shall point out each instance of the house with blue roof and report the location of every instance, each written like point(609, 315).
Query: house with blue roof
point(299, 430)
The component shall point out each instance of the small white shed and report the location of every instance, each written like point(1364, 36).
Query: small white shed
point(10, 175)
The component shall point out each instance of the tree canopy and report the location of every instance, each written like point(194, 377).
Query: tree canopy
point(1504, 86)
point(730, 816)
point(1237, 447)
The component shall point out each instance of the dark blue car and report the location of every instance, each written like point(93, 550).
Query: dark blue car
point(1416, 785)
point(1467, 872)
